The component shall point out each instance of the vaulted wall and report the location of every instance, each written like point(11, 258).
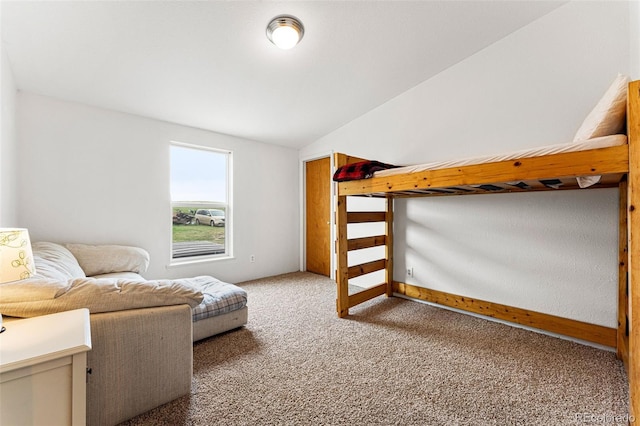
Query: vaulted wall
point(549, 252)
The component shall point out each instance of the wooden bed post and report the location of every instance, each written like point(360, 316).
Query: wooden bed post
point(388, 231)
point(342, 266)
point(622, 343)
point(633, 197)
point(342, 275)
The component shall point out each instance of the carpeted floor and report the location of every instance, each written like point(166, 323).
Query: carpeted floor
point(392, 362)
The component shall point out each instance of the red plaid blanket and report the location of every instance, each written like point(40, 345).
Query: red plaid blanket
point(360, 170)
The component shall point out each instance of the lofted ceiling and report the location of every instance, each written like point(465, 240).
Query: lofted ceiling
point(208, 64)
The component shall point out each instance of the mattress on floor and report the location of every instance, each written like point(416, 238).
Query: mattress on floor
point(219, 299)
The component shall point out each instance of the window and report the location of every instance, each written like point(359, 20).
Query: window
point(200, 188)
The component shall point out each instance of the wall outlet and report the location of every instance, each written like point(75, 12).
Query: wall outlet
point(410, 272)
point(252, 258)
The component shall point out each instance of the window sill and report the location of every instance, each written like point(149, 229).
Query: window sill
point(196, 260)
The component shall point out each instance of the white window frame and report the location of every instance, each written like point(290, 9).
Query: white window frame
point(228, 237)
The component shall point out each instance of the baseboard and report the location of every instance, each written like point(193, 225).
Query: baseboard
point(567, 327)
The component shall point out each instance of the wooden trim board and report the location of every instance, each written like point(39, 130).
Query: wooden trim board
point(580, 330)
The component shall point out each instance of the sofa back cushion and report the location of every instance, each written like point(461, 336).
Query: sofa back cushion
point(107, 259)
point(55, 262)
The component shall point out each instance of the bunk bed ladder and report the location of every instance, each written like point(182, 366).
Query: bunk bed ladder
point(344, 245)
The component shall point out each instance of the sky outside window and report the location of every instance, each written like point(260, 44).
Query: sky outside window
point(198, 175)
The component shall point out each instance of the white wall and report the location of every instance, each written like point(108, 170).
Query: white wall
point(91, 175)
point(548, 252)
point(8, 144)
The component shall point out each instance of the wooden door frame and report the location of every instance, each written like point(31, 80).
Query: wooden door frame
point(303, 212)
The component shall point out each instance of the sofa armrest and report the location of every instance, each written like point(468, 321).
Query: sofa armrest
point(140, 359)
point(107, 258)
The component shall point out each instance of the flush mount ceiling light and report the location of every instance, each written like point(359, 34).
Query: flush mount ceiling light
point(285, 31)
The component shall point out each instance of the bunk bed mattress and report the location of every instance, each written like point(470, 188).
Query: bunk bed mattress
point(584, 182)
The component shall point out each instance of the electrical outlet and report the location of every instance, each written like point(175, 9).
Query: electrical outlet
point(410, 272)
point(252, 258)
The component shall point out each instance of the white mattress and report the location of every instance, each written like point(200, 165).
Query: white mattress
point(601, 142)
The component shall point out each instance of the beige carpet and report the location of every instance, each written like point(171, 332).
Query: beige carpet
point(393, 362)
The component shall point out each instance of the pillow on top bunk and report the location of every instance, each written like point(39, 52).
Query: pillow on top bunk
point(608, 116)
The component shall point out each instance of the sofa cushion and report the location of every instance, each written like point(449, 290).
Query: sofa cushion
point(105, 258)
point(55, 262)
point(36, 296)
point(127, 275)
point(219, 298)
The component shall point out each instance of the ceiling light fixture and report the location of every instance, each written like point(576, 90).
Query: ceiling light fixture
point(285, 31)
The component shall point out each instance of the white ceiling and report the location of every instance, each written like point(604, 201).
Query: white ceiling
point(208, 64)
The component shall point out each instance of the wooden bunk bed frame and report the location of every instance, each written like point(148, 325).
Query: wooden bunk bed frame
point(619, 167)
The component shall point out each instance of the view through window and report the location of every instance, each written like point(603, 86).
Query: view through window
point(200, 186)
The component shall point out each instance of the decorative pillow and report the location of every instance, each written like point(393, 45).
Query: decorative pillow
point(104, 259)
point(608, 116)
point(55, 262)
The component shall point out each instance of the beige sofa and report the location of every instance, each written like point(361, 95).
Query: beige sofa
point(141, 330)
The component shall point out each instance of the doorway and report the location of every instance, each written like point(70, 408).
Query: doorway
point(318, 216)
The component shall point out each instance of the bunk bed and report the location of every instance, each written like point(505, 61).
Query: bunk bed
point(551, 168)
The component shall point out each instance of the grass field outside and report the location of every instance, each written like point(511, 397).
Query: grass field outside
point(193, 232)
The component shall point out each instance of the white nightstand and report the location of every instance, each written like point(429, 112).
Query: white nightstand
point(43, 362)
